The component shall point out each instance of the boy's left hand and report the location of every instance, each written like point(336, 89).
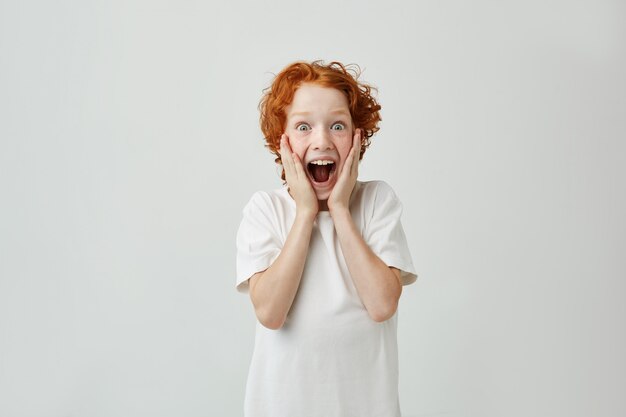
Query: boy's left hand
point(340, 195)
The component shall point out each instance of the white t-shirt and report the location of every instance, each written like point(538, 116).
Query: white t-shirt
point(329, 359)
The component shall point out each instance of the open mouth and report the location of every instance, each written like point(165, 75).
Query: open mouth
point(321, 170)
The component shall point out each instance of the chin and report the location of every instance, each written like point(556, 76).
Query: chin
point(323, 195)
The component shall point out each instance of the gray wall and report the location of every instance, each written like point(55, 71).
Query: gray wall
point(129, 143)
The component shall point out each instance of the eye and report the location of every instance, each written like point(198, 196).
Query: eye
point(340, 126)
point(302, 127)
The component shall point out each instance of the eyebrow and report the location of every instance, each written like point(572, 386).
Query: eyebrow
point(306, 113)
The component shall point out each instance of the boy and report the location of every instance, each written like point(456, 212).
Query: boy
point(324, 259)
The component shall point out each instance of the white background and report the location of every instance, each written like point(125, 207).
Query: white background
point(129, 143)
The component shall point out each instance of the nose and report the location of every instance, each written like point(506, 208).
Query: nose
point(322, 140)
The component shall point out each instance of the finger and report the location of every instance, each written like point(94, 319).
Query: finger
point(294, 159)
point(283, 146)
point(357, 152)
point(298, 166)
point(347, 166)
point(285, 139)
point(285, 154)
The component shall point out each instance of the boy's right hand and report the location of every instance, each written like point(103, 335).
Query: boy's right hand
point(299, 185)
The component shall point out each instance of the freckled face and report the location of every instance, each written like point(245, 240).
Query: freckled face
point(320, 131)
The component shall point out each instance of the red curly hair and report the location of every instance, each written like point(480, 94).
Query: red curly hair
point(364, 109)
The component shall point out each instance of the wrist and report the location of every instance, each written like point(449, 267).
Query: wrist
point(338, 211)
point(305, 215)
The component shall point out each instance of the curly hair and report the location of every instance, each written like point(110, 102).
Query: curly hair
point(364, 109)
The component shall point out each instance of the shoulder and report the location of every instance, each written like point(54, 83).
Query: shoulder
point(373, 199)
point(374, 186)
point(376, 192)
point(274, 203)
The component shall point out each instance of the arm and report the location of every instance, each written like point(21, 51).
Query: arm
point(377, 284)
point(273, 290)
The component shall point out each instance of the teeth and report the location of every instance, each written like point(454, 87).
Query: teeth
point(322, 162)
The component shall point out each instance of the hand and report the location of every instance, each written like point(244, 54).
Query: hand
point(298, 182)
point(340, 196)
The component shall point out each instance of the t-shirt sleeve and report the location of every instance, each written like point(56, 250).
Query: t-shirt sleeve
point(258, 240)
point(385, 235)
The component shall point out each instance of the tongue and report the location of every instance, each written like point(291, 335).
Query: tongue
point(321, 172)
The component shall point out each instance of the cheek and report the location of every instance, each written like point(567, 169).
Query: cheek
point(344, 147)
point(297, 148)
point(295, 141)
